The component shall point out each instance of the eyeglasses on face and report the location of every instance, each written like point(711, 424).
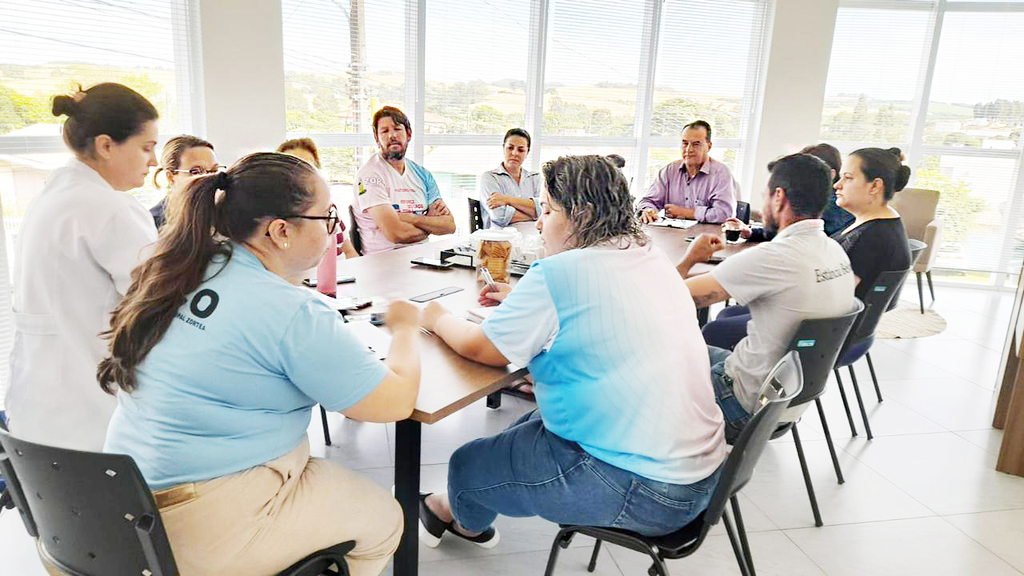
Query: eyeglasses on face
point(331, 219)
point(199, 170)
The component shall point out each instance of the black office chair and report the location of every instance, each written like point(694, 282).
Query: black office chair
point(476, 217)
point(357, 241)
point(94, 515)
point(862, 336)
point(743, 211)
point(783, 383)
point(818, 343)
point(327, 432)
point(916, 249)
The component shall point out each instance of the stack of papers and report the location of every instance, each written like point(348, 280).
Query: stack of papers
point(674, 223)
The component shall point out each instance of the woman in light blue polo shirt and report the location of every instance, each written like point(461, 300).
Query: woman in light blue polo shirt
point(217, 360)
point(627, 433)
point(507, 193)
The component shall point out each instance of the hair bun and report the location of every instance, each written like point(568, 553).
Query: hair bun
point(64, 106)
point(902, 177)
point(897, 153)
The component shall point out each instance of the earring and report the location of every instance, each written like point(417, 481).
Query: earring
point(285, 244)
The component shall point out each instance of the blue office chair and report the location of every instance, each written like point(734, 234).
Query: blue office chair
point(862, 336)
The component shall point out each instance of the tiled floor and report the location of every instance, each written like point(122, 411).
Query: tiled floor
point(923, 498)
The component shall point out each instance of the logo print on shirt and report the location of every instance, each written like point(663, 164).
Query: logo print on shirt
point(204, 312)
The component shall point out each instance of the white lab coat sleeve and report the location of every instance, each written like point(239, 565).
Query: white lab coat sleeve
point(119, 248)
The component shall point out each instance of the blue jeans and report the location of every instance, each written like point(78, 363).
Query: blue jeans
point(728, 328)
point(736, 416)
point(528, 471)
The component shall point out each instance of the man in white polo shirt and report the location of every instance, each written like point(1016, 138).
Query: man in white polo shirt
point(800, 274)
point(396, 200)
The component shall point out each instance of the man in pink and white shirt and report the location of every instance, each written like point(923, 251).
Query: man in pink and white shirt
point(396, 201)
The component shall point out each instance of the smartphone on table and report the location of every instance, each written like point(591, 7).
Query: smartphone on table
point(312, 283)
point(431, 263)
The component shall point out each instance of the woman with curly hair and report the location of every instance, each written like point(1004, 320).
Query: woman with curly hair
point(627, 433)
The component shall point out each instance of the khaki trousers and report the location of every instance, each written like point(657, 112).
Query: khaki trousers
point(262, 520)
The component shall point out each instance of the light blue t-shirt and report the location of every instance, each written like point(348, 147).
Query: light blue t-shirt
point(232, 382)
point(611, 338)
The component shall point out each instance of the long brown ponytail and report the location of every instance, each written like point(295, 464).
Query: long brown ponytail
point(259, 186)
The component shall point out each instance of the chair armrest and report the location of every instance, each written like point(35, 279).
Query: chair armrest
point(932, 237)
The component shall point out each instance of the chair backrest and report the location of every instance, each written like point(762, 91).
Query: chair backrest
point(782, 385)
point(876, 302)
point(476, 218)
point(92, 513)
point(916, 249)
point(743, 211)
point(917, 208)
point(818, 342)
point(357, 240)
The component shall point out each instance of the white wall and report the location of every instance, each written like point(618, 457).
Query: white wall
point(799, 47)
point(243, 76)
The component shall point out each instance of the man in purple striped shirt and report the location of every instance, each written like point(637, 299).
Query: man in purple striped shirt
point(696, 187)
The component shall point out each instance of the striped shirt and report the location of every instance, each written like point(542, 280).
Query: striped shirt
point(499, 181)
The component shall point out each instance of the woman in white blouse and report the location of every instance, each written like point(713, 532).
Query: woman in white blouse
point(79, 242)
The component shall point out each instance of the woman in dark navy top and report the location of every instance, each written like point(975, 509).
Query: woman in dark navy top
point(876, 241)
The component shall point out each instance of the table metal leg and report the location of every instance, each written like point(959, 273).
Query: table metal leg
point(407, 491)
point(702, 316)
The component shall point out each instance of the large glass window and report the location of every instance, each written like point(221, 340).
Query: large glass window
point(874, 74)
point(342, 61)
point(977, 97)
point(593, 66)
point(49, 48)
point(705, 71)
point(476, 61)
point(598, 73)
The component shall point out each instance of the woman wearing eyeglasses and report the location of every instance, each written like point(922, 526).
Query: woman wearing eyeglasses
point(305, 148)
point(78, 243)
point(183, 159)
point(217, 361)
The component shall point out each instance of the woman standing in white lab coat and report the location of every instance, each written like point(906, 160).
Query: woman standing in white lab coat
point(80, 239)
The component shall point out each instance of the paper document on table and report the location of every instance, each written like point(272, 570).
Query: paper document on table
point(377, 340)
point(674, 223)
point(480, 314)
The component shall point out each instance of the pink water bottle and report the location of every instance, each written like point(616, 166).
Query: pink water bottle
point(327, 271)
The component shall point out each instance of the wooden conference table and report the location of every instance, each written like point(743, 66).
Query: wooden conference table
point(449, 382)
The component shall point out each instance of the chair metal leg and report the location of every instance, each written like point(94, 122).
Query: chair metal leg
point(494, 400)
point(828, 440)
point(871, 368)
point(593, 556)
point(846, 404)
point(931, 288)
point(658, 568)
point(741, 560)
point(743, 534)
point(323, 419)
point(860, 401)
point(556, 547)
point(807, 477)
point(920, 292)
